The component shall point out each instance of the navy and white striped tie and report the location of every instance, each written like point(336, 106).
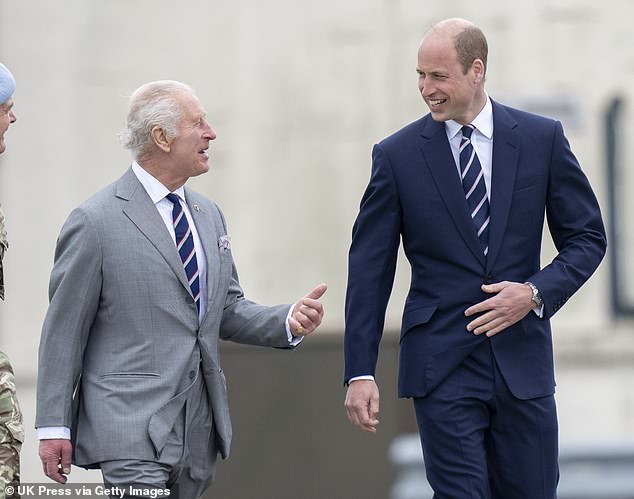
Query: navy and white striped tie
point(185, 246)
point(474, 187)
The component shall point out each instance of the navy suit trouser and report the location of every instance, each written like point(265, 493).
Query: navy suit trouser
point(479, 441)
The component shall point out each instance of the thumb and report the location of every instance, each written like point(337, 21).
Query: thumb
point(318, 292)
point(496, 287)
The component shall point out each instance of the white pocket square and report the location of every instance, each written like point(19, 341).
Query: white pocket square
point(224, 243)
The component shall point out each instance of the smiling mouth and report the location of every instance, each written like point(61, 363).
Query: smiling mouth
point(436, 102)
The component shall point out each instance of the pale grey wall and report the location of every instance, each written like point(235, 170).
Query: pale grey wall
point(298, 92)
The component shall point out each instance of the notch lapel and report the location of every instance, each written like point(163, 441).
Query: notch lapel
point(143, 214)
point(208, 237)
point(506, 149)
point(440, 161)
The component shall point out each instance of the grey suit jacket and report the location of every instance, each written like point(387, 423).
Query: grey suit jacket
point(121, 342)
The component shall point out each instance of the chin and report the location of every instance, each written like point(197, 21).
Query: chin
point(438, 116)
point(200, 170)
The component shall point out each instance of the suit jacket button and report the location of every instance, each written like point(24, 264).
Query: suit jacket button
point(192, 374)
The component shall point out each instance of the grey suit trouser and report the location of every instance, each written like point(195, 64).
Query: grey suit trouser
point(187, 463)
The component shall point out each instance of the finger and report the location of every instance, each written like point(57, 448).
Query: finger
point(498, 328)
point(296, 328)
point(356, 409)
point(494, 326)
point(317, 292)
point(480, 321)
point(358, 416)
point(52, 471)
point(309, 318)
point(310, 313)
point(67, 453)
point(312, 304)
point(353, 416)
point(373, 408)
point(495, 287)
point(301, 319)
point(483, 306)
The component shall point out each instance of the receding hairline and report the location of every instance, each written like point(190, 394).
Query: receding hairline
point(468, 40)
point(450, 27)
point(155, 89)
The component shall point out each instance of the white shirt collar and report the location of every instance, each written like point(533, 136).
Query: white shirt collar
point(153, 186)
point(483, 122)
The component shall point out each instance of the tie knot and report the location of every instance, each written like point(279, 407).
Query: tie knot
point(467, 130)
point(173, 198)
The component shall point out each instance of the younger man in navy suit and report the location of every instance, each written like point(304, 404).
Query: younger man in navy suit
point(466, 188)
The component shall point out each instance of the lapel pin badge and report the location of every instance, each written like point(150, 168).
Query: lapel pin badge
point(196, 207)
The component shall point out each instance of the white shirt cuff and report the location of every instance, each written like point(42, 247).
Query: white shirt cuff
point(539, 311)
point(357, 378)
point(292, 340)
point(53, 432)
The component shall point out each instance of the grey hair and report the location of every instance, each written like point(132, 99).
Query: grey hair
point(153, 104)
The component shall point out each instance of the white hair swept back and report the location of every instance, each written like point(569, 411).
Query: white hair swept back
point(153, 104)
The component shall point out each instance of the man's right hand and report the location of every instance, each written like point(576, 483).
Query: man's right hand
point(362, 404)
point(56, 455)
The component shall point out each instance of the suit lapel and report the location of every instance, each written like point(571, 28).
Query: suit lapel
point(208, 237)
point(506, 148)
point(141, 211)
point(439, 159)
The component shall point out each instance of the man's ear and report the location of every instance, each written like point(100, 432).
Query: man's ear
point(160, 139)
point(478, 70)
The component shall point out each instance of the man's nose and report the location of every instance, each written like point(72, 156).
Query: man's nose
point(12, 117)
point(426, 89)
point(209, 131)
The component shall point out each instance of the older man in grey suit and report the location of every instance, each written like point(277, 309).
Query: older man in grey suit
point(143, 287)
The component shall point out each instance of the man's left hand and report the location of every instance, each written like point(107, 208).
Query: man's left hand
point(307, 313)
point(511, 303)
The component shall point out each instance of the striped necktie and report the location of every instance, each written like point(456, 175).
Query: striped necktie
point(185, 246)
point(474, 187)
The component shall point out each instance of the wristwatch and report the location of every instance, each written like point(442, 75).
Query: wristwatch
point(537, 297)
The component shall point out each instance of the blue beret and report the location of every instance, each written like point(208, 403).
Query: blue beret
point(7, 84)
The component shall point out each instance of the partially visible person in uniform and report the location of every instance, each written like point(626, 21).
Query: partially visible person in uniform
point(11, 427)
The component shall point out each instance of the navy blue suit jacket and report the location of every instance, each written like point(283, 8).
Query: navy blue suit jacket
point(415, 194)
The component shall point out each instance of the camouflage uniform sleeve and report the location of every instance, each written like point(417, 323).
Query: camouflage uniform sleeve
point(11, 430)
point(4, 244)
